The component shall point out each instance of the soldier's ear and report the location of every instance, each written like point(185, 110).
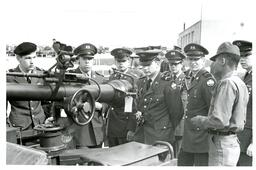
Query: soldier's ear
point(223, 61)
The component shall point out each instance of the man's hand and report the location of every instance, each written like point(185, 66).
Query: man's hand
point(49, 120)
point(87, 107)
point(249, 150)
point(130, 135)
point(98, 106)
point(198, 121)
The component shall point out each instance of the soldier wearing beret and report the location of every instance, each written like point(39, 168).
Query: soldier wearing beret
point(199, 84)
point(121, 124)
point(177, 78)
point(227, 112)
point(245, 137)
point(156, 117)
point(26, 114)
point(92, 134)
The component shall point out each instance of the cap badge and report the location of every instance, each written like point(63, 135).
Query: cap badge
point(192, 47)
point(172, 53)
point(87, 47)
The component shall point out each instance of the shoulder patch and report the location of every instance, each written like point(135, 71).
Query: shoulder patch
point(210, 82)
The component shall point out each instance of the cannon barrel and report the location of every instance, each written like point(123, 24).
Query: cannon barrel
point(111, 92)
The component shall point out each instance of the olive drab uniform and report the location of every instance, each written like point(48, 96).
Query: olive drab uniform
point(26, 114)
point(160, 117)
point(120, 122)
point(195, 140)
point(91, 134)
point(245, 137)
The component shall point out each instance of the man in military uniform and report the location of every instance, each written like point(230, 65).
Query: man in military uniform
point(121, 124)
point(245, 137)
point(177, 78)
point(227, 112)
point(92, 134)
point(26, 114)
point(199, 84)
point(157, 118)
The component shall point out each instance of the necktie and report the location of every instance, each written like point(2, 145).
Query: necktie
point(149, 83)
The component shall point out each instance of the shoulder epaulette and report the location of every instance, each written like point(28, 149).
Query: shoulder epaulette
point(207, 75)
point(99, 74)
point(166, 75)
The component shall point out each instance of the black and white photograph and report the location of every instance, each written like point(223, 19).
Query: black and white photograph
point(127, 83)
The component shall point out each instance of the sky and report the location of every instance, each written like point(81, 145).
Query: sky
point(131, 23)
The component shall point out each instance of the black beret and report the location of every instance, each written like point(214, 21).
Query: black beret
point(195, 50)
point(86, 49)
point(174, 55)
point(245, 47)
point(121, 54)
point(25, 48)
point(146, 57)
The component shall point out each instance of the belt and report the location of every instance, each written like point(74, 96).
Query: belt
point(215, 132)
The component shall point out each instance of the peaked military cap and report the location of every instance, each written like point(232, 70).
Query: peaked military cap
point(227, 48)
point(195, 50)
point(146, 57)
point(121, 54)
point(245, 47)
point(25, 48)
point(86, 50)
point(174, 56)
point(175, 47)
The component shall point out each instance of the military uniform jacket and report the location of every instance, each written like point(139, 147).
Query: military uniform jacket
point(24, 113)
point(119, 122)
point(93, 133)
point(195, 140)
point(245, 136)
point(179, 83)
point(159, 112)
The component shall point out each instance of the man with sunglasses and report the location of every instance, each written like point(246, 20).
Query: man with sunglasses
point(177, 78)
point(245, 137)
point(26, 114)
point(199, 84)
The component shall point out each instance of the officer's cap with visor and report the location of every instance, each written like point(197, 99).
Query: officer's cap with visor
point(195, 51)
point(147, 57)
point(25, 48)
point(86, 50)
point(175, 56)
point(227, 48)
point(121, 54)
point(245, 47)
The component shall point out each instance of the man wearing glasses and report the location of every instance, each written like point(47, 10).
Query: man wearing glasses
point(245, 136)
point(199, 84)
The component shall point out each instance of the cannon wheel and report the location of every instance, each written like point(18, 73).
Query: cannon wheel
point(78, 107)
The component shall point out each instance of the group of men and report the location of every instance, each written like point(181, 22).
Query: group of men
point(206, 116)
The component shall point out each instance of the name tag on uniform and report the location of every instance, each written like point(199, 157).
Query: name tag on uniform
point(128, 104)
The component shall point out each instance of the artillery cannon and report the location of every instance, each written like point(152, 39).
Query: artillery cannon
point(69, 91)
